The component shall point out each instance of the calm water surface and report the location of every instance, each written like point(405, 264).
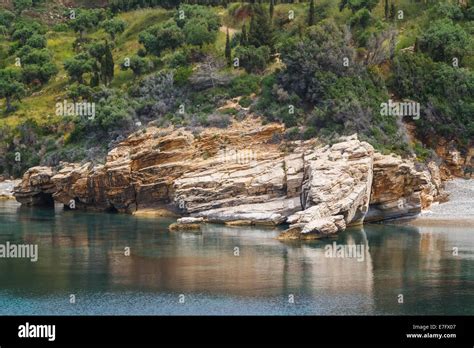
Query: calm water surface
point(83, 254)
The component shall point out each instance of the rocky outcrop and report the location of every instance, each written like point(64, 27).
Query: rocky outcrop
point(336, 187)
point(454, 162)
point(175, 169)
point(71, 183)
point(315, 229)
point(241, 175)
point(36, 187)
point(187, 224)
point(401, 188)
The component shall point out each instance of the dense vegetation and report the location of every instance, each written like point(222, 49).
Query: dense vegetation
point(321, 67)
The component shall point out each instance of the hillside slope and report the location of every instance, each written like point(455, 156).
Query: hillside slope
point(324, 72)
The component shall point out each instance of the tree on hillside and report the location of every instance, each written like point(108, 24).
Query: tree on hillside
point(272, 8)
point(440, 87)
point(197, 12)
point(11, 87)
point(37, 66)
point(23, 33)
point(113, 27)
point(316, 56)
point(197, 32)
point(356, 5)
point(36, 41)
point(311, 13)
point(85, 20)
point(77, 66)
point(96, 50)
point(244, 40)
point(107, 65)
point(21, 5)
point(393, 11)
point(137, 64)
point(386, 9)
point(252, 59)
point(444, 40)
point(361, 18)
point(77, 91)
point(103, 64)
point(228, 51)
point(161, 37)
point(6, 18)
point(261, 31)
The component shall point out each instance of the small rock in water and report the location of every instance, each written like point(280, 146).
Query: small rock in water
point(190, 220)
point(184, 227)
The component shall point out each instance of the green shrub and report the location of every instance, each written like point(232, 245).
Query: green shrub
point(244, 85)
point(445, 40)
point(182, 74)
point(252, 59)
point(60, 28)
point(245, 102)
point(178, 58)
point(161, 37)
point(446, 95)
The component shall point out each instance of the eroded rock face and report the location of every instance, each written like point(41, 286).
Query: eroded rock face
point(455, 163)
point(71, 185)
point(175, 169)
point(401, 189)
point(6, 188)
point(36, 187)
point(241, 175)
point(336, 187)
point(315, 229)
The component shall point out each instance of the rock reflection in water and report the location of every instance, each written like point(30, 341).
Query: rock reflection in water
point(206, 263)
point(83, 253)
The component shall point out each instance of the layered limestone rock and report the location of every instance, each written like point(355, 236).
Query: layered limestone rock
point(36, 187)
point(71, 185)
point(175, 169)
point(315, 229)
point(455, 163)
point(400, 188)
point(244, 174)
point(336, 188)
point(253, 188)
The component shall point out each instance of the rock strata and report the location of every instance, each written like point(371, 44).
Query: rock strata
point(36, 187)
point(401, 189)
point(455, 163)
point(241, 175)
point(336, 187)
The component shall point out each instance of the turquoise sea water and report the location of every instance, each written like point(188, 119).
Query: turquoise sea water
point(184, 273)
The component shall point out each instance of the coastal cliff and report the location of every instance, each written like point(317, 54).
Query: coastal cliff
point(243, 175)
